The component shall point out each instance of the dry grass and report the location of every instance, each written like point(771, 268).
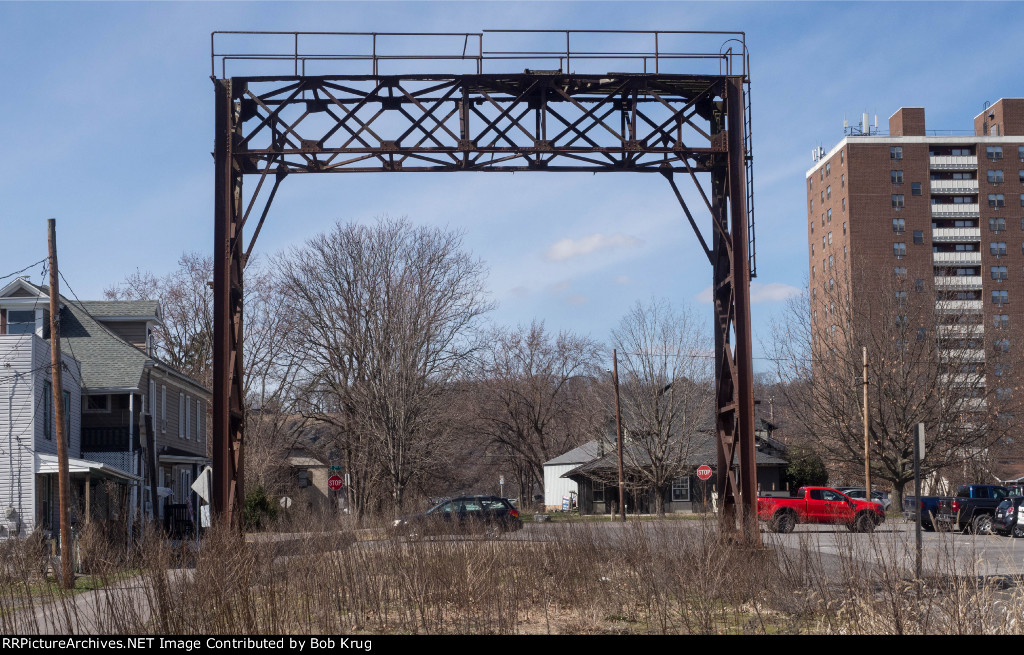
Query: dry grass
point(673, 577)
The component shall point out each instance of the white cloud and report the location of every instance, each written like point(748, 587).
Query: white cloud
point(569, 248)
point(770, 292)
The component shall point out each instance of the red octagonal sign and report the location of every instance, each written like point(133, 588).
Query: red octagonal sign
point(704, 472)
point(334, 482)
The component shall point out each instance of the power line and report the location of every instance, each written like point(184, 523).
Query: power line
point(41, 261)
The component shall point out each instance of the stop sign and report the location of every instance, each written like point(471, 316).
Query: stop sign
point(704, 472)
point(334, 482)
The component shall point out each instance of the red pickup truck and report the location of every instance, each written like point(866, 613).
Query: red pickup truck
point(819, 505)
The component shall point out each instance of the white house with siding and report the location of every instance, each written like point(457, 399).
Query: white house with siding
point(555, 486)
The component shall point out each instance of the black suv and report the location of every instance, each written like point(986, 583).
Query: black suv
point(1006, 520)
point(488, 515)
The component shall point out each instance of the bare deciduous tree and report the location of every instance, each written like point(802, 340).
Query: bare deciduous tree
point(926, 359)
point(665, 372)
point(536, 392)
point(385, 319)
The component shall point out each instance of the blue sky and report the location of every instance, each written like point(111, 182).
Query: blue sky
point(107, 123)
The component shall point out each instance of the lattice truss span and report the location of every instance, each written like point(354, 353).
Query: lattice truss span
point(529, 121)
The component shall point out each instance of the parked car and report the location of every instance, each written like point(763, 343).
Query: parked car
point(1006, 520)
point(972, 509)
point(489, 515)
point(857, 493)
point(819, 505)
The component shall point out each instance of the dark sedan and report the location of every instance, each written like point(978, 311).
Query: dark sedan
point(1006, 520)
point(489, 515)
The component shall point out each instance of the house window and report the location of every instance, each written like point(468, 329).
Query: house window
point(897, 200)
point(199, 421)
point(304, 478)
point(97, 404)
point(994, 152)
point(995, 176)
point(998, 272)
point(181, 415)
point(895, 152)
point(996, 200)
point(186, 486)
point(681, 490)
point(997, 248)
point(918, 236)
point(1001, 320)
point(597, 491)
point(152, 397)
point(898, 225)
point(896, 177)
point(163, 408)
point(899, 249)
point(1000, 297)
point(188, 417)
point(915, 189)
point(997, 224)
point(48, 410)
point(21, 321)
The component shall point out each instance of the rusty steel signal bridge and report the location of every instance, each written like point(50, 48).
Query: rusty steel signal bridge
point(292, 103)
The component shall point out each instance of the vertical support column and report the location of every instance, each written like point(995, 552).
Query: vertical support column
point(228, 414)
point(741, 295)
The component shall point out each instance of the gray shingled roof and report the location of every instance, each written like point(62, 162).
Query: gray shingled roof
point(585, 453)
point(702, 451)
point(140, 309)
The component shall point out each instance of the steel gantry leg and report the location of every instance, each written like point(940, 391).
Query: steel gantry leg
point(228, 409)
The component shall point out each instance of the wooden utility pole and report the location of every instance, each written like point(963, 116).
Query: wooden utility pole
point(618, 434)
point(867, 465)
point(63, 477)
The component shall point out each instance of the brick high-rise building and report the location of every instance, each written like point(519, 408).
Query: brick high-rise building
point(911, 219)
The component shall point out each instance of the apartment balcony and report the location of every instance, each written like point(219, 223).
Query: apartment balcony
point(963, 380)
point(956, 257)
point(957, 281)
point(950, 163)
point(955, 210)
point(961, 330)
point(962, 354)
point(959, 306)
point(954, 186)
point(961, 234)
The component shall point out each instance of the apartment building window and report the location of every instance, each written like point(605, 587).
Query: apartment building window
point(181, 415)
point(997, 248)
point(830, 238)
point(823, 197)
point(897, 200)
point(902, 321)
point(1002, 345)
point(1001, 369)
point(1020, 173)
point(844, 252)
point(898, 225)
point(998, 272)
point(994, 152)
point(915, 189)
point(997, 224)
point(842, 158)
point(1003, 394)
point(1022, 200)
point(995, 176)
point(901, 298)
point(844, 204)
point(812, 250)
point(831, 262)
point(829, 214)
point(1001, 297)
point(831, 283)
point(918, 236)
point(842, 180)
point(823, 219)
point(896, 177)
point(895, 152)
point(828, 192)
point(1020, 152)
point(899, 248)
point(812, 204)
point(918, 285)
point(812, 226)
point(1001, 320)
point(812, 272)
point(901, 272)
point(844, 227)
